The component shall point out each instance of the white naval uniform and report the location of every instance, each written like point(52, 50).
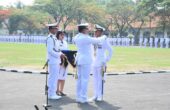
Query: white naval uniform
point(161, 42)
point(132, 42)
point(62, 70)
point(145, 42)
point(53, 55)
point(100, 60)
point(140, 41)
point(128, 41)
point(151, 42)
point(123, 41)
point(84, 60)
point(156, 42)
point(167, 40)
point(114, 41)
point(119, 41)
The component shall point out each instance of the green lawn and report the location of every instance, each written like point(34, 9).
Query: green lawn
point(124, 59)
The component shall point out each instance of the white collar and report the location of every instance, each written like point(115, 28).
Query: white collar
point(53, 35)
point(83, 34)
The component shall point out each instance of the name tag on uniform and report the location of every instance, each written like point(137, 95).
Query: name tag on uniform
point(99, 46)
point(56, 50)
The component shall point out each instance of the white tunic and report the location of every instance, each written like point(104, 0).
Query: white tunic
point(145, 41)
point(150, 40)
point(84, 46)
point(53, 54)
point(101, 57)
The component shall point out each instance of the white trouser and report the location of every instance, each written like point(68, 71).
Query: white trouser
point(83, 72)
point(167, 45)
point(97, 78)
point(161, 45)
point(151, 44)
point(156, 45)
point(145, 44)
point(52, 78)
point(140, 44)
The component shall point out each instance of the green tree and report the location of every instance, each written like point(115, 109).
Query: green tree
point(72, 11)
point(63, 11)
point(27, 20)
point(158, 8)
point(122, 14)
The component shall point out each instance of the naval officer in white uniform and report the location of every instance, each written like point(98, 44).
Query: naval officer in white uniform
point(84, 60)
point(140, 41)
point(145, 42)
point(167, 40)
point(162, 42)
point(151, 42)
point(53, 58)
point(156, 42)
point(100, 60)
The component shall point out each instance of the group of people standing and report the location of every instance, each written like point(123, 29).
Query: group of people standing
point(154, 42)
point(91, 57)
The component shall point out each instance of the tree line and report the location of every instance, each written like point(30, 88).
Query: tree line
point(117, 16)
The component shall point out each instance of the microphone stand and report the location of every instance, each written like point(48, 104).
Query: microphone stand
point(46, 105)
point(46, 86)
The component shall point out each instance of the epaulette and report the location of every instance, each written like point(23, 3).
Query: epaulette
point(52, 38)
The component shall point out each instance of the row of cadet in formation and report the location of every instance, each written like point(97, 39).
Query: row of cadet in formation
point(155, 42)
point(143, 42)
point(124, 41)
point(23, 39)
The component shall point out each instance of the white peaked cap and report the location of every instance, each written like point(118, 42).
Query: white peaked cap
point(52, 25)
point(98, 27)
point(83, 24)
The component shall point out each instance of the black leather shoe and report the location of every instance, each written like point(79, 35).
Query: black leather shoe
point(62, 94)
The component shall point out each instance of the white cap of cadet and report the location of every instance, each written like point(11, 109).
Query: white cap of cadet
point(83, 25)
point(98, 27)
point(53, 25)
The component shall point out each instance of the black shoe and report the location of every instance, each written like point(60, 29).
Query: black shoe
point(58, 93)
point(62, 94)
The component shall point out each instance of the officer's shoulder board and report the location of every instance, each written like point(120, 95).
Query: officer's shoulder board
point(105, 37)
point(51, 38)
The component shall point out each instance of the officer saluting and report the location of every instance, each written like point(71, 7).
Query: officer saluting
point(84, 60)
point(100, 60)
point(53, 57)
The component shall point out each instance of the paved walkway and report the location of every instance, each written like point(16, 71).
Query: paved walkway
point(122, 92)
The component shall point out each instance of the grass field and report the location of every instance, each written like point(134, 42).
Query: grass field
point(32, 56)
